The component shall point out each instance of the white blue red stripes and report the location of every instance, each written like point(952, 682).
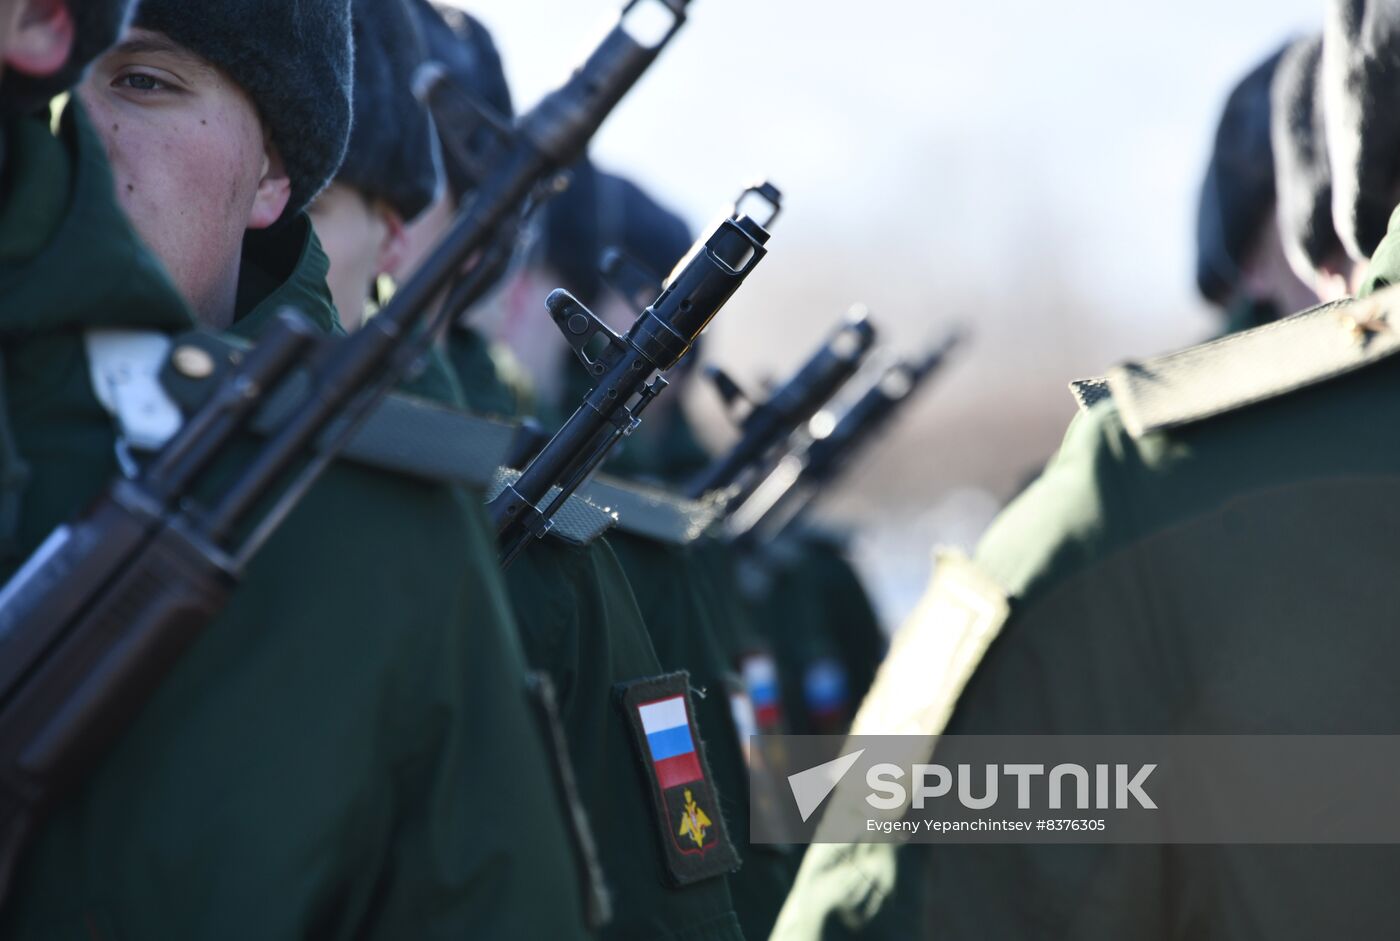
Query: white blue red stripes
point(666, 723)
point(761, 679)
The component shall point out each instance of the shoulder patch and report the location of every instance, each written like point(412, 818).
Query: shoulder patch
point(1089, 392)
point(764, 787)
point(742, 712)
point(935, 653)
point(123, 366)
point(1243, 369)
point(759, 671)
point(652, 513)
point(825, 692)
point(695, 843)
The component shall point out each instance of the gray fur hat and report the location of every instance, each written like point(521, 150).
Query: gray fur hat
point(1237, 195)
point(1303, 173)
point(292, 57)
point(1361, 88)
point(96, 25)
point(393, 153)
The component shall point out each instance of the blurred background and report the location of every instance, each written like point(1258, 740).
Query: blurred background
point(1028, 170)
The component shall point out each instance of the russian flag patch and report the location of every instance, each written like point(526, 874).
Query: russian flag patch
point(760, 673)
point(694, 842)
point(824, 688)
point(666, 723)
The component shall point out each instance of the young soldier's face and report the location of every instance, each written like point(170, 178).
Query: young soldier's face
point(36, 36)
point(193, 169)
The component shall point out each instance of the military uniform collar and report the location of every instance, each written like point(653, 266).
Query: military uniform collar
point(85, 267)
point(35, 182)
point(284, 266)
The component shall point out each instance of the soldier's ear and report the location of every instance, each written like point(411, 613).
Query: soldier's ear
point(394, 247)
point(41, 37)
point(274, 190)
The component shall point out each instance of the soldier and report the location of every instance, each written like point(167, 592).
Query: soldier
point(331, 755)
point(823, 625)
point(1190, 562)
point(663, 844)
point(390, 174)
point(601, 211)
point(466, 50)
point(1240, 261)
point(684, 599)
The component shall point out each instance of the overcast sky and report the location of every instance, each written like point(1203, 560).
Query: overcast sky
point(958, 131)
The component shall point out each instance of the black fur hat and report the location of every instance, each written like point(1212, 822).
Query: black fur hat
point(292, 57)
point(97, 24)
point(1361, 87)
point(601, 211)
point(1304, 175)
point(1237, 195)
point(393, 146)
point(463, 47)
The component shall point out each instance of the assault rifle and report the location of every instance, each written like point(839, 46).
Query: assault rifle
point(768, 424)
point(624, 368)
point(829, 444)
point(96, 617)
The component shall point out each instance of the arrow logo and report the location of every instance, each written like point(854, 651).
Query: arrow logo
point(810, 787)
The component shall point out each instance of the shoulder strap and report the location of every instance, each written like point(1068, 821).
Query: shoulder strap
point(1243, 369)
point(651, 513)
point(578, 522)
point(149, 382)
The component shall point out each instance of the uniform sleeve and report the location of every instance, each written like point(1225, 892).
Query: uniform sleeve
point(1076, 655)
point(480, 833)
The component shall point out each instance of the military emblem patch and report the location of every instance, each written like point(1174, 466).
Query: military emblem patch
point(694, 842)
point(695, 823)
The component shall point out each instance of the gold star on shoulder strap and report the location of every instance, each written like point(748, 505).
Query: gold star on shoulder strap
point(1364, 321)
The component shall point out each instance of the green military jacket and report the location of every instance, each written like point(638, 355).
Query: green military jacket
point(823, 631)
point(1213, 550)
point(1248, 313)
point(484, 382)
point(691, 611)
point(1384, 267)
point(853, 624)
point(683, 603)
point(347, 750)
point(580, 623)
